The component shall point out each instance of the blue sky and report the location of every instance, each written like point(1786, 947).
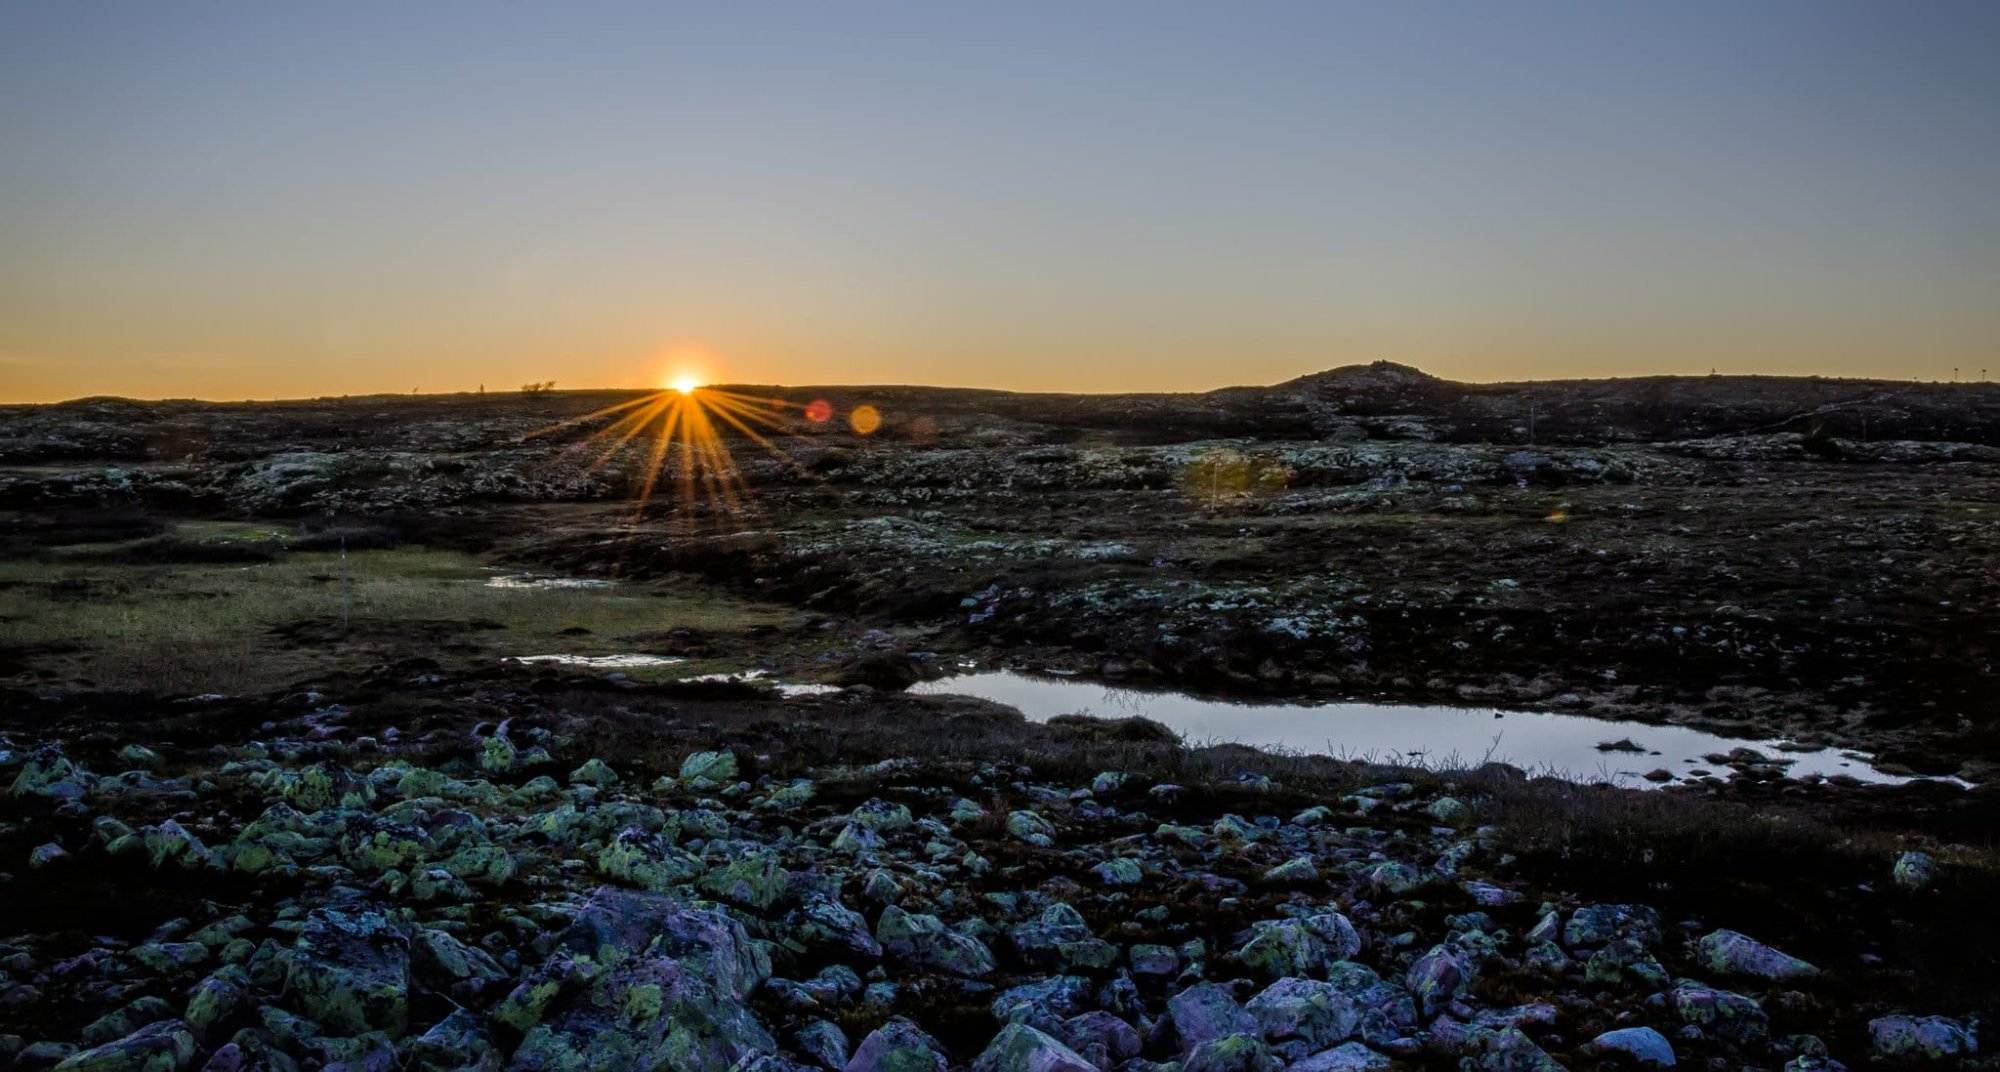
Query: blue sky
point(236, 200)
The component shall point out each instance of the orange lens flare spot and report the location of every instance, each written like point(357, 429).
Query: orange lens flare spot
point(865, 420)
point(819, 411)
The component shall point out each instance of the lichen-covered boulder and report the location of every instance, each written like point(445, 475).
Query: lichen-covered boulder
point(709, 767)
point(1436, 978)
point(824, 1042)
point(457, 1043)
point(1231, 1053)
point(1206, 1011)
point(165, 1046)
point(350, 970)
point(1121, 871)
point(1044, 1003)
point(897, 1046)
point(1926, 1037)
point(1020, 1048)
point(1297, 871)
point(1914, 870)
point(1731, 953)
point(754, 879)
point(924, 940)
point(1286, 947)
point(652, 1011)
point(444, 963)
point(1101, 1037)
point(824, 923)
point(881, 816)
point(1316, 1013)
point(218, 999)
point(639, 980)
point(1720, 1012)
point(647, 860)
point(125, 1019)
point(595, 772)
point(1639, 1045)
point(1602, 924)
point(1346, 1057)
point(1031, 828)
point(50, 774)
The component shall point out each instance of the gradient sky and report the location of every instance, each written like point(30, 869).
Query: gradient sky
point(237, 200)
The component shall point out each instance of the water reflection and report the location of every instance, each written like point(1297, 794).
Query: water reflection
point(1563, 745)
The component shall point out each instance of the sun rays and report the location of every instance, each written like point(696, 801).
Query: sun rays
point(684, 433)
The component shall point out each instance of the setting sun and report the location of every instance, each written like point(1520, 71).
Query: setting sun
point(684, 383)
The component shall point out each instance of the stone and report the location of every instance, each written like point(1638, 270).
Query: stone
point(1296, 871)
point(1103, 1038)
point(639, 980)
point(709, 767)
point(1204, 1012)
point(754, 879)
point(1021, 1048)
point(824, 1042)
point(1723, 1013)
point(350, 970)
point(1316, 1013)
point(1927, 1037)
point(1283, 947)
point(1436, 978)
point(825, 923)
point(1639, 1045)
point(1596, 925)
point(924, 940)
point(125, 1019)
point(897, 1046)
point(1346, 1057)
point(594, 772)
point(457, 1043)
point(1914, 870)
point(1730, 953)
point(1231, 1053)
point(1122, 871)
point(1031, 828)
point(164, 1046)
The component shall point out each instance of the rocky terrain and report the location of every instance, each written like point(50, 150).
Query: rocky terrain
point(530, 873)
point(277, 824)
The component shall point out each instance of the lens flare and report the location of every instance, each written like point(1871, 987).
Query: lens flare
point(865, 420)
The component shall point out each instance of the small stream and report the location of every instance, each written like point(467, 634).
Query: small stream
point(1565, 746)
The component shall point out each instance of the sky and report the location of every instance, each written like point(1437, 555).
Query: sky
point(237, 200)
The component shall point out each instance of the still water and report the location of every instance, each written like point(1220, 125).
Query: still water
point(1561, 745)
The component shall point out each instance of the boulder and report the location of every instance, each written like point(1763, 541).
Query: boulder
point(1930, 1038)
point(1639, 1045)
point(1020, 1048)
point(1730, 953)
point(897, 1046)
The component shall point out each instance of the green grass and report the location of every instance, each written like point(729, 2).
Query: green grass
point(186, 626)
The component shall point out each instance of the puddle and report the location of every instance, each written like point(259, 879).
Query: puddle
point(1560, 745)
point(601, 662)
point(529, 580)
point(784, 689)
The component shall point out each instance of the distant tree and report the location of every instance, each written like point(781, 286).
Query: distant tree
point(541, 388)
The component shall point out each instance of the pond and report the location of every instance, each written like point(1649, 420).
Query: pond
point(1566, 746)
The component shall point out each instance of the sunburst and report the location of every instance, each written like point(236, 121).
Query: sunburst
point(684, 431)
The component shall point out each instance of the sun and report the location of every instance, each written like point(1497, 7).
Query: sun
point(685, 383)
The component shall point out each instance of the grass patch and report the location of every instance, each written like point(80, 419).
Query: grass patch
point(227, 610)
